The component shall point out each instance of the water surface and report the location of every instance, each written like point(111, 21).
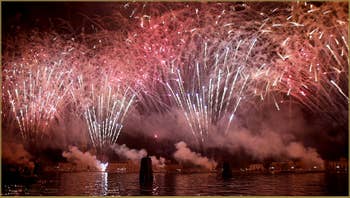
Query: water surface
point(102, 183)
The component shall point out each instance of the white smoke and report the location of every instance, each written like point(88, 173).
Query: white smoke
point(270, 144)
point(136, 155)
point(262, 136)
point(131, 154)
point(84, 159)
point(184, 154)
point(160, 163)
point(308, 156)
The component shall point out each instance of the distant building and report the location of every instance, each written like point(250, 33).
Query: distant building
point(117, 167)
point(295, 166)
point(72, 167)
point(340, 165)
point(286, 165)
point(123, 167)
point(173, 168)
point(282, 166)
point(256, 168)
point(133, 167)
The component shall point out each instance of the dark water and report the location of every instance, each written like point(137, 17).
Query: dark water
point(99, 183)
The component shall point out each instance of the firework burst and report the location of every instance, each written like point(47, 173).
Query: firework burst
point(312, 66)
point(106, 112)
point(36, 93)
point(208, 91)
point(203, 58)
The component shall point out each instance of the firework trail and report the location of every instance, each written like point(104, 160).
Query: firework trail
point(102, 98)
point(295, 50)
point(106, 112)
point(313, 63)
point(210, 82)
point(162, 39)
point(206, 93)
point(203, 58)
point(276, 52)
point(35, 92)
point(38, 70)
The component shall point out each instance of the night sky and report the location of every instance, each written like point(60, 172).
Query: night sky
point(318, 120)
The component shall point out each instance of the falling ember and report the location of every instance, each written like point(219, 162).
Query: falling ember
point(339, 89)
point(276, 104)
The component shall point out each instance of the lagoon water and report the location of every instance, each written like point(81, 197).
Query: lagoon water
point(103, 183)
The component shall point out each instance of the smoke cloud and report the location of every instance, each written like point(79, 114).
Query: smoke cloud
point(268, 134)
point(136, 155)
point(131, 154)
point(14, 153)
point(171, 125)
point(158, 162)
point(271, 144)
point(309, 156)
point(279, 135)
point(184, 154)
point(85, 159)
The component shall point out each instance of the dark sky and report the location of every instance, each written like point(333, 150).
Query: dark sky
point(26, 16)
point(38, 14)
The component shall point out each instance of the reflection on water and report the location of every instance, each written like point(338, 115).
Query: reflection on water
point(102, 183)
point(93, 183)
